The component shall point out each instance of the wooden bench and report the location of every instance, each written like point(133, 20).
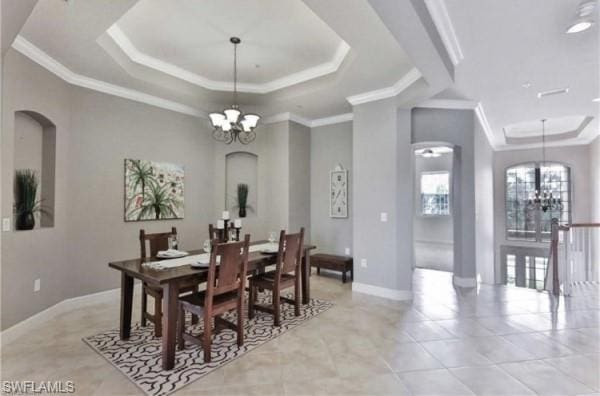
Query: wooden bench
point(333, 262)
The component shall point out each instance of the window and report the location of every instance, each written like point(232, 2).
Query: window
point(435, 194)
point(523, 223)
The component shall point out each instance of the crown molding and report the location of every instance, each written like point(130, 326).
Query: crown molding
point(406, 81)
point(485, 125)
point(46, 61)
point(580, 141)
point(336, 119)
point(281, 117)
point(441, 19)
point(124, 43)
point(454, 104)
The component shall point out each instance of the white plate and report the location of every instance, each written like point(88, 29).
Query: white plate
point(171, 254)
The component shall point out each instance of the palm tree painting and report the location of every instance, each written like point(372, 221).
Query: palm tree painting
point(153, 190)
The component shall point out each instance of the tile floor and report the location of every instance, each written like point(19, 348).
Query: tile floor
point(487, 341)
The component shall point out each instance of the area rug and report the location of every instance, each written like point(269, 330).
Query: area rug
point(139, 358)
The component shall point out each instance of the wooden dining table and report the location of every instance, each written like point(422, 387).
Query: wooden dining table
point(171, 278)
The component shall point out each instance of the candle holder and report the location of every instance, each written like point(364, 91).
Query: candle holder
point(237, 233)
point(226, 230)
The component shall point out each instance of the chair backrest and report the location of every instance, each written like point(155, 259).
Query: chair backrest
point(233, 266)
point(290, 252)
point(158, 242)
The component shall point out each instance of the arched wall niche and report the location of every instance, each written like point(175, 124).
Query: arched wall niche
point(35, 148)
point(241, 167)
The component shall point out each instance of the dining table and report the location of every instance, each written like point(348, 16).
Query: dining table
point(169, 280)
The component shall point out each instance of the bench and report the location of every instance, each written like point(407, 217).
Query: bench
point(333, 262)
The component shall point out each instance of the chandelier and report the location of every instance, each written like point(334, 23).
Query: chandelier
point(232, 125)
point(543, 200)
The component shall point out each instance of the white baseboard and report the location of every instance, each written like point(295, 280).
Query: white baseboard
point(37, 321)
point(392, 294)
point(464, 282)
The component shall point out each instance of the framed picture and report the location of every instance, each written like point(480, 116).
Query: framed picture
point(338, 199)
point(153, 190)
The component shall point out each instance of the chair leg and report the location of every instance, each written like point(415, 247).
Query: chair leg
point(251, 299)
point(240, 322)
point(352, 274)
point(206, 339)
point(144, 307)
point(180, 327)
point(297, 297)
point(158, 317)
point(318, 270)
point(344, 276)
point(276, 307)
point(195, 318)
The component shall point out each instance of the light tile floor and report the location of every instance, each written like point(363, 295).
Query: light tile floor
point(492, 340)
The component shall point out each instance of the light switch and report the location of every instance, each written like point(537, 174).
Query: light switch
point(6, 224)
point(363, 263)
point(347, 251)
point(37, 285)
point(383, 217)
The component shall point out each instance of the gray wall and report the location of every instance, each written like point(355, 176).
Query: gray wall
point(435, 229)
point(382, 179)
point(594, 156)
point(330, 145)
point(577, 157)
point(299, 179)
point(94, 134)
point(484, 206)
point(105, 131)
point(41, 253)
point(455, 127)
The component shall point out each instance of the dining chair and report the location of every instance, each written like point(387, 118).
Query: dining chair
point(285, 275)
point(225, 291)
point(157, 242)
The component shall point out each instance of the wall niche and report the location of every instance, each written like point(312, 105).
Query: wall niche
point(241, 167)
point(35, 149)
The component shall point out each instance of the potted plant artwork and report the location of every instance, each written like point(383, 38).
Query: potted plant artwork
point(27, 204)
point(242, 198)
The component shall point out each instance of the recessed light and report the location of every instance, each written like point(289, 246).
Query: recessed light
point(585, 19)
point(553, 92)
point(580, 26)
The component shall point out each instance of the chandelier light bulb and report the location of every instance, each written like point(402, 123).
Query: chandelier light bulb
point(233, 125)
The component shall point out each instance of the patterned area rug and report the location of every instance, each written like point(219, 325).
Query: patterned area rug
point(139, 358)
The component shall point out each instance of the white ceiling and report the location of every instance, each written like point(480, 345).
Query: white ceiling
point(507, 44)
point(279, 37)
point(284, 37)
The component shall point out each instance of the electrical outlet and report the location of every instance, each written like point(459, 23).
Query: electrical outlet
point(6, 224)
point(363, 263)
point(37, 285)
point(383, 217)
point(347, 251)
